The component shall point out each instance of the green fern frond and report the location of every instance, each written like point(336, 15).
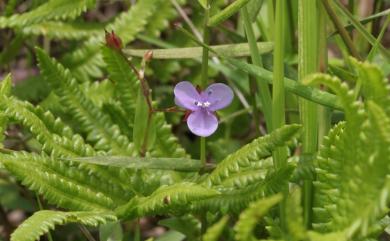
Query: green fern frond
point(57, 139)
point(173, 198)
point(128, 24)
point(60, 183)
point(232, 200)
point(5, 90)
point(52, 10)
point(52, 144)
point(215, 231)
point(126, 82)
point(118, 116)
point(43, 221)
point(249, 217)
point(256, 150)
point(254, 173)
point(166, 144)
point(161, 18)
point(294, 217)
point(374, 86)
point(105, 134)
point(352, 167)
point(87, 60)
point(62, 30)
point(99, 92)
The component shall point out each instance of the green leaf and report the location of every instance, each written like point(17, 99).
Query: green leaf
point(203, 3)
point(254, 7)
point(143, 124)
point(176, 164)
point(126, 82)
point(111, 231)
point(97, 124)
point(215, 231)
point(174, 198)
point(249, 217)
point(229, 50)
point(257, 150)
point(171, 236)
point(41, 222)
point(187, 225)
point(51, 10)
point(227, 12)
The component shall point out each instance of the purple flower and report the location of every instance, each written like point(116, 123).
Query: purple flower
point(202, 121)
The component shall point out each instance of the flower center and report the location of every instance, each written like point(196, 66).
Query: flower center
point(202, 104)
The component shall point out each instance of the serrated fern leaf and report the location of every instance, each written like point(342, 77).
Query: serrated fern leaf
point(58, 182)
point(233, 200)
point(374, 86)
point(165, 199)
point(41, 222)
point(215, 231)
point(62, 30)
point(352, 166)
point(98, 92)
point(56, 145)
point(254, 173)
point(87, 60)
point(160, 21)
point(249, 217)
point(51, 10)
point(256, 150)
point(166, 144)
point(5, 90)
point(126, 82)
point(105, 134)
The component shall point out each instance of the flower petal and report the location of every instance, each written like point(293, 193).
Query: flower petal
point(219, 95)
point(202, 123)
point(186, 95)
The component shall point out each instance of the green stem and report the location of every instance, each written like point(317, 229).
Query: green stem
point(372, 52)
point(307, 64)
point(324, 113)
point(270, 14)
point(49, 237)
point(278, 97)
point(265, 96)
point(343, 32)
point(204, 73)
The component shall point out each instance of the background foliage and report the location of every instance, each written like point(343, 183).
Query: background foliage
point(79, 161)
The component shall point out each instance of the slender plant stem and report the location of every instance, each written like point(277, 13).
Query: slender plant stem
point(278, 91)
point(372, 52)
point(270, 14)
point(340, 28)
point(324, 113)
point(204, 73)
point(308, 63)
point(40, 206)
point(265, 95)
point(278, 96)
point(86, 233)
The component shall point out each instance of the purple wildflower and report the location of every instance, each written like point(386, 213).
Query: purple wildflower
point(202, 121)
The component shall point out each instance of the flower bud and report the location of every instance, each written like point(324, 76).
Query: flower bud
point(113, 41)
